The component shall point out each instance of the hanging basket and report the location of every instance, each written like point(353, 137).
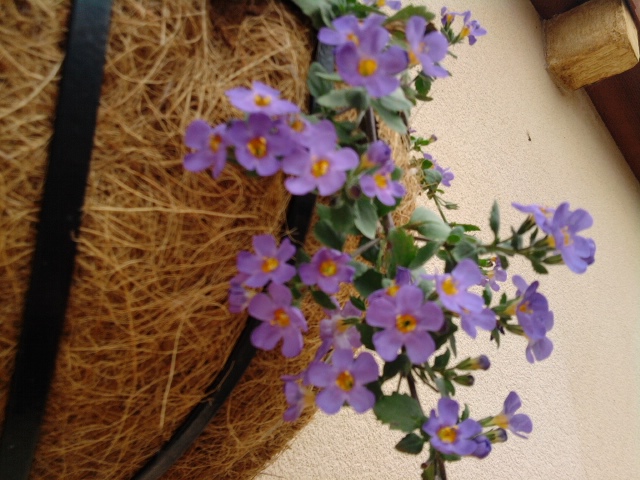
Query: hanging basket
point(147, 324)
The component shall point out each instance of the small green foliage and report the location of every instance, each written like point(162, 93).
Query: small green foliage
point(400, 412)
point(411, 443)
point(323, 299)
point(328, 236)
point(368, 282)
point(390, 117)
point(429, 225)
point(318, 86)
point(494, 220)
point(365, 217)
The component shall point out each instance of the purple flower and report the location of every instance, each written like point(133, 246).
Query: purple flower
point(380, 185)
point(239, 297)
point(426, 50)
point(296, 128)
point(328, 268)
point(403, 277)
point(392, 4)
point(477, 363)
point(322, 166)
point(447, 435)
point(280, 320)
point(348, 29)
point(535, 318)
point(337, 334)
point(452, 288)
point(269, 263)
point(371, 64)
point(484, 319)
point(542, 215)
point(483, 447)
point(471, 28)
point(210, 145)
point(298, 398)
point(260, 98)
point(446, 173)
point(377, 155)
point(498, 274)
point(406, 321)
point(257, 146)
point(577, 252)
point(344, 381)
point(517, 423)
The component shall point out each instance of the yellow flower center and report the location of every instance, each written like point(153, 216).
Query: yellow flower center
point(296, 124)
point(448, 434)
point(328, 268)
point(406, 323)
point(367, 67)
point(551, 241)
point(280, 318)
point(353, 38)
point(392, 290)
point(270, 264)
point(365, 162)
point(465, 32)
point(214, 142)
point(258, 147)
point(525, 307)
point(450, 18)
point(501, 421)
point(262, 100)
point(320, 167)
point(413, 60)
point(345, 381)
point(381, 3)
point(381, 180)
point(449, 286)
point(511, 310)
point(567, 236)
point(341, 326)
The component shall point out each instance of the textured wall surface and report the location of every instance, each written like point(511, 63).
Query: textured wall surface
point(509, 133)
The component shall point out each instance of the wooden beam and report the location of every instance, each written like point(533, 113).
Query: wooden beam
point(593, 41)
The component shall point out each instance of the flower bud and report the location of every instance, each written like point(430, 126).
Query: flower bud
point(497, 435)
point(478, 363)
point(466, 380)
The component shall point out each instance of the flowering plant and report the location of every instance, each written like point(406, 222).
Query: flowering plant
point(417, 284)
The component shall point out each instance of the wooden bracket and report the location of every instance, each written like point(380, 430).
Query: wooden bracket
point(593, 41)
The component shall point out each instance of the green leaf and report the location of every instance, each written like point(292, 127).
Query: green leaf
point(328, 236)
point(366, 217)
point(317, 85)
point(332, 77)
point(423, 85)
point(368, 282)
point(319, 11)
point(391, 369)
point(410, 11)
point(423, 254)
point(465, 413)
point(370, 254)
point(323, 299)
point(396, 101)
point(494, 219)
point(553, 260)
point(464, 249)
point(403, 247)
point(429, 224)
point(503, 261)
point(358, 303)
point(412, 444)
point(457, 233)
point(467, 227)
point(442, 361)
point(400, 412)
point(366, 335)
point(539, 268)
point(429, 473)
point(391, 118)
point(353, 97)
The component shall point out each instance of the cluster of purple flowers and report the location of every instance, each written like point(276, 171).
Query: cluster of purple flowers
point(451, 436)
point(365, 57)
point(273, 137)
point(562, 226)
point(471, 29)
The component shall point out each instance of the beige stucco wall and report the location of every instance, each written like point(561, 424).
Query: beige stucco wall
point(585, 400)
